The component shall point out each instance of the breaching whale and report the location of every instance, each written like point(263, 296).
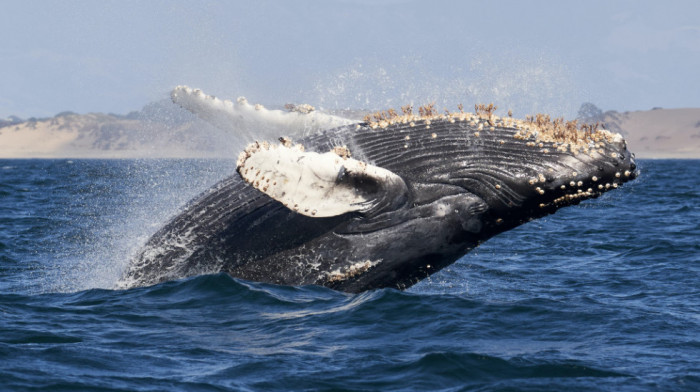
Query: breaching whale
point(384, 202)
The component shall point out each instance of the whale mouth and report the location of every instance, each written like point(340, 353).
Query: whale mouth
point(587, 177)
point(582, 187)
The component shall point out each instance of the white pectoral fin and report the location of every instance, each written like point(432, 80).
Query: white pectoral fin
point(319, 185)
point(241, 115)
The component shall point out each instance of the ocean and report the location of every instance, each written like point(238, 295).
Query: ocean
point(601, 296)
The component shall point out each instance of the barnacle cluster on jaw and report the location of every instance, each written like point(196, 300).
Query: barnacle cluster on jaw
point(577, 190)
point(350, 271)
point(543, 131)
point(570, 198)
point(427, 113)
point(539, 131)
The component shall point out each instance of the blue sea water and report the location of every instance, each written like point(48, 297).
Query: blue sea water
point(601, 296)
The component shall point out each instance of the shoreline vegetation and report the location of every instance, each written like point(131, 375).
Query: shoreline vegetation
point(164, 130)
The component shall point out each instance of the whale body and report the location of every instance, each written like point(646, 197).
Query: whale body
point(385, 202)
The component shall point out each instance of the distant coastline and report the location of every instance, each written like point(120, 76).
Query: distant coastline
point(163, 130)
point(659, 133)
point(159, 130)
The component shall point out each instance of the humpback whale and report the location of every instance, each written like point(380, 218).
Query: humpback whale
point(382, 202)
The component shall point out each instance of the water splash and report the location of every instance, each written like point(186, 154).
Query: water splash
point(525, 83)
point(110, 211)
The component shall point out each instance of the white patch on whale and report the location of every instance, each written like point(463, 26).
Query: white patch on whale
point(314, 184)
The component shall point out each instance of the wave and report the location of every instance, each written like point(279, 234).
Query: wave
point(214, 320)
point(543, 307)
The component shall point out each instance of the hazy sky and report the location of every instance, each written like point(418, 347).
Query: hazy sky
point(550, 56)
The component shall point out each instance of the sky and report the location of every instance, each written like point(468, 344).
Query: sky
point(528, 56)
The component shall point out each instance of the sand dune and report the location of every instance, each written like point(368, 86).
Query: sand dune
point(97, 135)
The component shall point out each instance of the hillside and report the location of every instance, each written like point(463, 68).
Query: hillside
point(162, 130)
point(659, 133)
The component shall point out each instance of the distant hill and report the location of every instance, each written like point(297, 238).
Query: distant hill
point(159, 130)
point(162, 129)
point(659, 133)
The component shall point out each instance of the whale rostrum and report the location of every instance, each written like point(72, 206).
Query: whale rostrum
point(384, 202)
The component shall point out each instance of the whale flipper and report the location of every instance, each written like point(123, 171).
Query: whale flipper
point(320, 185)
point(241, 115)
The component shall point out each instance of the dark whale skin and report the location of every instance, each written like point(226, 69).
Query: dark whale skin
point(465, 185)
